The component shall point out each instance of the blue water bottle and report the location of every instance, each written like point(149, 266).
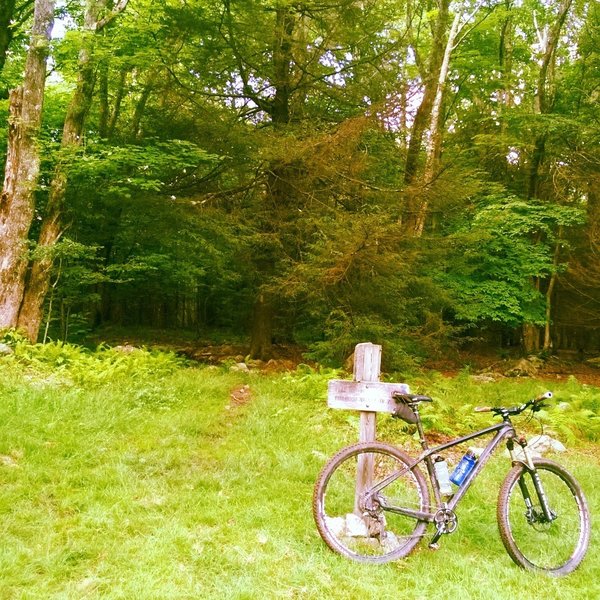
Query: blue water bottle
point(463, 468)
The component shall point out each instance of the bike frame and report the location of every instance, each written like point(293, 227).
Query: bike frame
point(502, 431)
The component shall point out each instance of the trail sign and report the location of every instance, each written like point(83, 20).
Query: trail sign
point(371, 396)
point(365, 392)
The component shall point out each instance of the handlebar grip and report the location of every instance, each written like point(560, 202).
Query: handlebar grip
point(544, 396)
point(483, 409)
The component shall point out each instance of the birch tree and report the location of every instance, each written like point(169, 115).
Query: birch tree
point(430, 112)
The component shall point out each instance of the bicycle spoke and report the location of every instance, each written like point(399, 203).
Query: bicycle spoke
point(356, 523)
point(555, 542)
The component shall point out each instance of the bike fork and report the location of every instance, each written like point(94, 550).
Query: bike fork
point(548, 514)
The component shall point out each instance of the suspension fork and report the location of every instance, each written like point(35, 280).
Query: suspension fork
point(549, 515)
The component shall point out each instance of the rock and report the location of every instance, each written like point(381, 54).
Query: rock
point(355, 526)
point(526, 367)
point(241, 367)
point(5, 350)
point(390, 541)
point(255, 363)
point(337, 525)
point(540, 445)
point(279, 365)
point(485, 378)
point(544, 444)
point(476, 450)
point(126, 349)
point(8, 461)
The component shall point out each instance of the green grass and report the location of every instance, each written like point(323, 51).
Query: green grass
point(155, 485)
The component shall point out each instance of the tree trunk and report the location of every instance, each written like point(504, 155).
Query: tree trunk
point(531, 338)
point(537, 158)
point(543, 103)
point(430, 78)
point(22, 167)
point(278, 189)
point(116, 111)
point(434, 143)
point(505, 59)
point(103, 104)
point(38, 278)
point(550, 291)
point(262, 327)
point(506, 92)
point(7, 14)
point(140, 106)
point(416, 136)
point(549, 294)
point(544, 100)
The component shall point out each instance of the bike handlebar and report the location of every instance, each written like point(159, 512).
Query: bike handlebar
point(516, 410)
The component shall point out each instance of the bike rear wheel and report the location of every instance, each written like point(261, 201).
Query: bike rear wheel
point(355, 523)
point(557, 544)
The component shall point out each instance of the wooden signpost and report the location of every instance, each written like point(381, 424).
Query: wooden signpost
point(365, 392)
point(368, 395)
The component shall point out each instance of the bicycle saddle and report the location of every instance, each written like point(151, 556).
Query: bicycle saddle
point(411, 398)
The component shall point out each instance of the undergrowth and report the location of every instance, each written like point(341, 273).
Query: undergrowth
point(70, 364)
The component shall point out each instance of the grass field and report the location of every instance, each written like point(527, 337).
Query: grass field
point(183, 483)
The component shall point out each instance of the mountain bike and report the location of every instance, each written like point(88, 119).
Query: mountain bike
point(373, 504)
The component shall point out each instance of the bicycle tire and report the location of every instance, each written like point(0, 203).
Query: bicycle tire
point(377, 536)
point(556, 547)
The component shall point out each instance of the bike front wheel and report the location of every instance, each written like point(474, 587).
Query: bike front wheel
point(360, 523)
point(556, 542)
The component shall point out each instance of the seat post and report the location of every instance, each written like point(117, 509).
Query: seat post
point(422, 440)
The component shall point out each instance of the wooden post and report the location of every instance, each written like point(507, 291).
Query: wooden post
point(368, 395)
point(367, 368)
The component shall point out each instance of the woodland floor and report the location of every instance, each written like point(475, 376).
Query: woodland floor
point(485, 363)
point(557, 367)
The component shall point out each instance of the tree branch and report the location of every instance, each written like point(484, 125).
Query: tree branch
point(118, 9)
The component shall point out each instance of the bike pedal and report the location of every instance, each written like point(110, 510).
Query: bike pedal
point(434, 546)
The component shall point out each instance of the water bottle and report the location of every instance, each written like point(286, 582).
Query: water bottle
point(463, 468)
point(441, 474)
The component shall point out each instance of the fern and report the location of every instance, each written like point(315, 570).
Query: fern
point(71, 364)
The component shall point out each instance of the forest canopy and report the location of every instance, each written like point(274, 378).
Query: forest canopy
point(417, 173)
